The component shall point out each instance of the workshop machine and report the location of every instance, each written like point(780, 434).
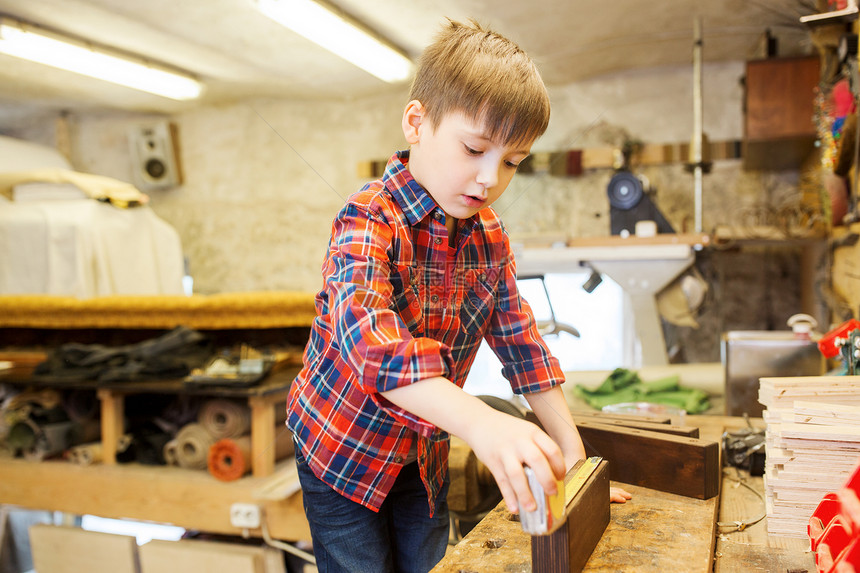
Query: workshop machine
point(629, 203)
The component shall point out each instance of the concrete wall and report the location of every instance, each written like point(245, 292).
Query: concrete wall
point(263, 178)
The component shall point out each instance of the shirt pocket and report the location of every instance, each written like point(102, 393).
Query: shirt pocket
point(479, 300)
point(404, 297)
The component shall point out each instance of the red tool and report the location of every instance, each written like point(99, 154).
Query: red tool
point(831, 343)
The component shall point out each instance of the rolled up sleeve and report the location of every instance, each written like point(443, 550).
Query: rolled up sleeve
point(372, 338)
point(514, 338)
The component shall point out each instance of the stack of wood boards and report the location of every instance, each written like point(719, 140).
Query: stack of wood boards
point(812, 445)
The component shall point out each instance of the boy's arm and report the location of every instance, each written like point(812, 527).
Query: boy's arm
point(552, 411)
point(502, 442)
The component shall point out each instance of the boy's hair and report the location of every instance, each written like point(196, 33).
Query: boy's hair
point(478, 72)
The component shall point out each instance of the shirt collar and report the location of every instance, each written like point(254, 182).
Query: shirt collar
point(415, 201)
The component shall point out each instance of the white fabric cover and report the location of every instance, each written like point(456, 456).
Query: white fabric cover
point(55, 243)
point(20, 155)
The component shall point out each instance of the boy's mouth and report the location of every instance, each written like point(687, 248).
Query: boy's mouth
point(474, 201)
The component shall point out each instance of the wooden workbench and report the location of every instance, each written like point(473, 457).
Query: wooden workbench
point(654, 532)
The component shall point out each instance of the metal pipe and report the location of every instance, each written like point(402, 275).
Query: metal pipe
point(696, 148)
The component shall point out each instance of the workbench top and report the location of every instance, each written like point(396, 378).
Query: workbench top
point(655, 531)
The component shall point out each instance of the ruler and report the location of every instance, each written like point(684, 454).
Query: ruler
point(582, 474)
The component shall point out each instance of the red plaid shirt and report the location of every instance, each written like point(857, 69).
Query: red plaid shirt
point(397, 308)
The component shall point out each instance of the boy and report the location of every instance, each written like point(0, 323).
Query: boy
point(419, 271)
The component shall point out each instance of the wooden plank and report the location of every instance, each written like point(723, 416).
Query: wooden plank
point(597, 416)
point(692, 239)
point(685, 466)
point(263, 435)
point(58, 549)
point(569, 547)
point(628, 421)
point(811, 450)
point(112, 423)
point(685, 431)
point(188, 498)
point(654, 532)
point(194, 556)
point(826, 414)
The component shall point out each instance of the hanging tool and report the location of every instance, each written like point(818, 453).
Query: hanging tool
point(843, 341)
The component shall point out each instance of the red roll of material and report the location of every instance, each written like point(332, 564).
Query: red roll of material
point(230, 458)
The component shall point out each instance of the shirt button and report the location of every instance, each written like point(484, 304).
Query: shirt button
point(434, 298)
point(437, 215)
point(438, 240)
point(398, 459)
point(483, 277)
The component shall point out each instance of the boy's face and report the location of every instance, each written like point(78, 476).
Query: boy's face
point(461, 168)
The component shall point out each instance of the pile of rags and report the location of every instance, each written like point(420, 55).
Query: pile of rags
point(624, 385)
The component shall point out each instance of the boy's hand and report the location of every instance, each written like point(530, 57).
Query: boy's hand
point(504, 444)
point(618, 495)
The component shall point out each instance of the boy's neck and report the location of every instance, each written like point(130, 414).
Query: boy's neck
point(451, 224)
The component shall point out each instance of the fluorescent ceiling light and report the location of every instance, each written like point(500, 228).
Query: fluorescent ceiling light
point(38, 45)
point(340, 36)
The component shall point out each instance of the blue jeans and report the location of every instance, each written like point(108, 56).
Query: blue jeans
point(401, 538)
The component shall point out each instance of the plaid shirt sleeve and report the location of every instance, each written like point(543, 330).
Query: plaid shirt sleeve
point(514, 337)
point(372, 338)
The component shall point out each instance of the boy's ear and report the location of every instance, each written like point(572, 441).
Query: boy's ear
point(413, 118)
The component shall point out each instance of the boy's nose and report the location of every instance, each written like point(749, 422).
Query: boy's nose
point(488, 176)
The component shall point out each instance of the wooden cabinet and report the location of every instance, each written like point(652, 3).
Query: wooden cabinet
point(779, 124)
point(780, 98)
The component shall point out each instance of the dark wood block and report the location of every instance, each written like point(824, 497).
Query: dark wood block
point(665, 462)
point(665, 428)
point(568, 548)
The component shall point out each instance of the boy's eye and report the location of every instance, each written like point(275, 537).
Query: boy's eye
point(511, 164)
point(471, 151)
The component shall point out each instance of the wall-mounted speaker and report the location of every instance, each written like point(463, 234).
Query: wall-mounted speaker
point(154, 156)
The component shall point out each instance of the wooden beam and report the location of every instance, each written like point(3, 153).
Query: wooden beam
point(192, 499)
point(112, 422)
point(568, 548)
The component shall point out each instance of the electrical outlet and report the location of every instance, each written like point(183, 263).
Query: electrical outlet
point(245, 515)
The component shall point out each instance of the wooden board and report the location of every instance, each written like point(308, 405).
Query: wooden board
point(663, 425)
point(685, 431)
point(568, 548)
point(194, 556)
point(675, 464)
point(810, 450)
point(72, 550)
point(652, 533)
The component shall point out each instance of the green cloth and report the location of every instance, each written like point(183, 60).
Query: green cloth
point(624, 385)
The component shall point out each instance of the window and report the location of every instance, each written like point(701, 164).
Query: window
point(598, 316)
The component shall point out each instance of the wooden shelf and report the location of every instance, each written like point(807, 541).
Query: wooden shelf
point(261, 398)
point(192, 499)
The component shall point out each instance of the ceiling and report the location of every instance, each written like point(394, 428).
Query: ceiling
point(240, 53)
